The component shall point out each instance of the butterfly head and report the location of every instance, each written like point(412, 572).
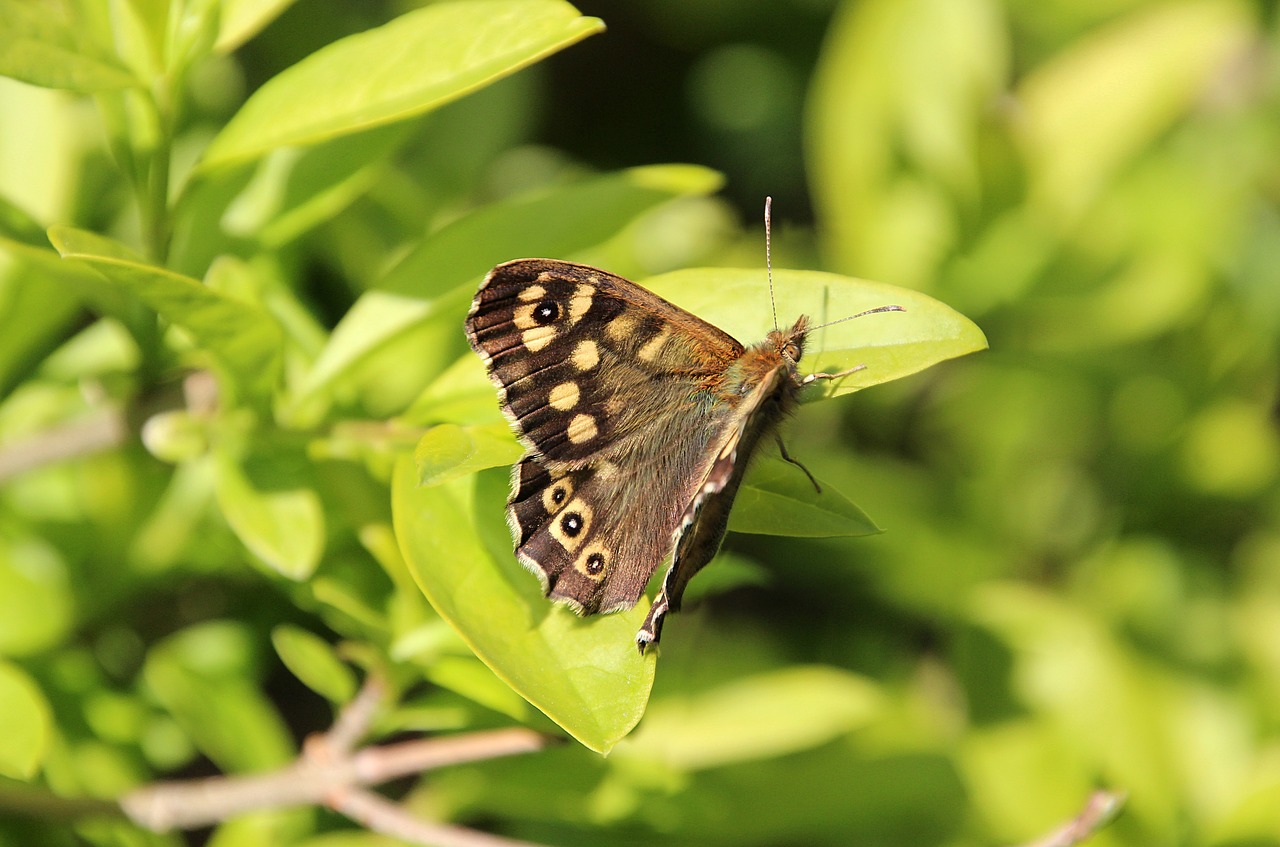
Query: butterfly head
point(790, 343)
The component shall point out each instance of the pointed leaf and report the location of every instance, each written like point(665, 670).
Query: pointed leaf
point(888, 345)
point(437, 280)
point(272, 510)
point(415, 63)
point(450, 451)
point(313, 661)
point(38, 48)
point(240, 336)
point(777, 498)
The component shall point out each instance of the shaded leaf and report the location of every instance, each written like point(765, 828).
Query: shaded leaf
point(204, 677)
point(777, 498)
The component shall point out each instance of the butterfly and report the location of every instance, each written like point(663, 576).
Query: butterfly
point(639, 419)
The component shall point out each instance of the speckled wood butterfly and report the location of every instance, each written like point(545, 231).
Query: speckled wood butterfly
point(639, 419)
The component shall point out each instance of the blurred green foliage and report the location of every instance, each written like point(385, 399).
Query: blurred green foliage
point(1079, 580)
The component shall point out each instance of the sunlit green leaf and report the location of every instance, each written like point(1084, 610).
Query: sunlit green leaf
point(240, 336)
point(419, 61)
point(755, 717)
point(39, 48)
point(313, 660)
point(583, 673)
point(273, 509)
point(27, 723)
point(887, 345)
point(449, 451)
point(1078, 128)
point(436, 281)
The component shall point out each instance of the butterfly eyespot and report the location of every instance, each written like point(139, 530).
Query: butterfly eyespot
point(558, 494)
point(546, 312)
point(595, 564)
point(572, 524)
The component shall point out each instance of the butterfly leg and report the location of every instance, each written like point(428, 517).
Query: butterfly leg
point(782, 448)
point(815, 377)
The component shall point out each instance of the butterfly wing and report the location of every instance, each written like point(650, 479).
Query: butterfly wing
point(771, 393)
point(615, 393)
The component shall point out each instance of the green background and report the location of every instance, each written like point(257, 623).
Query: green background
point(237, 241)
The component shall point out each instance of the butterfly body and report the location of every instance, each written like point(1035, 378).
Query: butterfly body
point(638, 418)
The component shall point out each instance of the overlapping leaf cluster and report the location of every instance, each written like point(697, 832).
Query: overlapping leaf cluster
point(243, 444)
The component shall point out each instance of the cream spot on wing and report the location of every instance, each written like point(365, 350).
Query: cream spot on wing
point(606, 470)
point(593, 563)
point(650, 349)
point(621, 328)
point(586, 355)
point(564, 396)
point(538, 337)
point(580, 302)
point(555, 495)
point(523, 316)
point(581, 429)
point(572, 525)
point(533, 292)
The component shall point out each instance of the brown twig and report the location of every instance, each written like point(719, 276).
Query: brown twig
point(95, 433)
point(378, 814)
point(332, 772)
point(311, 781)
point(1097, 813)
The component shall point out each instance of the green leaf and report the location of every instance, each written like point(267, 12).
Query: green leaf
point(27, 723)
point(461, 395)
point(413, 64)
point(269, 502)
point(205, 677)
point(1078, 129)
point(777, 498)
point(38, 48)
point(240, 336)
point(36, 312)
point(889, 345)
point(313, 661)
point(755, 717)
point(583, 673)
point(36, 600)
point(242, 19)
point(897, 110)
point(450, 451)
point(437, 280)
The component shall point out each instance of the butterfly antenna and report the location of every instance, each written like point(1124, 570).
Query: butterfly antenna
point(859, 315)
point(768, 256)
